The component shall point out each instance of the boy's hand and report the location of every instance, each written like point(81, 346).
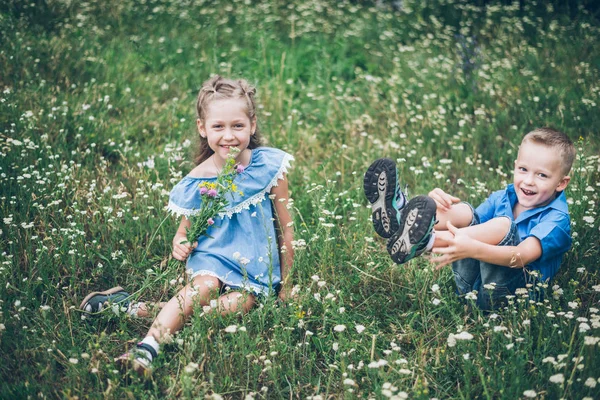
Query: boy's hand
point(181, 250)
point(443, 200)
point(460, 246)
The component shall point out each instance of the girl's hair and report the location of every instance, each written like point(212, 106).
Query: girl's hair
point(219, 88)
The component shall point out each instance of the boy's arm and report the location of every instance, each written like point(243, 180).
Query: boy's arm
point(286, 233)
point(462, 246)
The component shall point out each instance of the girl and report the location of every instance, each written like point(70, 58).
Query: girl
point(247, 252)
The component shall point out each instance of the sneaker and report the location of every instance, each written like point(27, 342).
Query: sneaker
point(97, 301)
point(416, 228)
point(138, 359)
point(383, 192)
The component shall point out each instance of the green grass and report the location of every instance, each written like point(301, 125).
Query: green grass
point(92, 90)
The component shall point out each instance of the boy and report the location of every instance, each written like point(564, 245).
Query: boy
point(522, 229)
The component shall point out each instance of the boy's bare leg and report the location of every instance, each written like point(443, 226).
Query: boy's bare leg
point(460, 215)
point(490, 232)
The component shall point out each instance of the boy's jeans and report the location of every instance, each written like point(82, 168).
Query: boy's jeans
point(471, 274)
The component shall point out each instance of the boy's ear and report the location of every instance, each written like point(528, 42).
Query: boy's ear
point(200, 126)
point(563, 183)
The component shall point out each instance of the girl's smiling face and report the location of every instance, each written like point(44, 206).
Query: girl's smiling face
point(227, 125)
point(538, 175)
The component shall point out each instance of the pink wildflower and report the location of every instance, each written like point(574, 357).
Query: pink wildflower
point(203, 190)
point(239, 168)
point(212, 193)
point(210, 221)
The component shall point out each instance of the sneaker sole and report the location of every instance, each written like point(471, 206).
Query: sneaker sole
point(105, 293)
point(415, 223)
point(380, 187)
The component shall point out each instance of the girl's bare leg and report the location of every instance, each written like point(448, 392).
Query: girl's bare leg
point(174, 314)
point(236, 302)
point(231, 302)
point(142, 309)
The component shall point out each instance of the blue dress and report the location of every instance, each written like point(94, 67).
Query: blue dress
point(242, 250)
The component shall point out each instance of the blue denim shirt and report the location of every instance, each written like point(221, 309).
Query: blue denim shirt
point(551, 224)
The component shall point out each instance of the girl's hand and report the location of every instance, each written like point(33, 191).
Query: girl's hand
point(181, 250)
point(443, 200)
point(459, 246)
point(285, 293)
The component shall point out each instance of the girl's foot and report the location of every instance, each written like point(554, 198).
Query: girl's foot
point(416, 230)
point(97, 301)
point(138, 359)
point(384, 194)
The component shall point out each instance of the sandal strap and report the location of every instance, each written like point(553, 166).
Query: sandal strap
point(148, 348)
point(97, 302)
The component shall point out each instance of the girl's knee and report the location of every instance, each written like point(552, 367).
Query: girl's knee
point(236, 301)
point(200, 290)
point(205, 286)
point(203, 282)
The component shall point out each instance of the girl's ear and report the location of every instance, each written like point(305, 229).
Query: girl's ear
point(253, 125)
point(200, 126)
point(563, 183)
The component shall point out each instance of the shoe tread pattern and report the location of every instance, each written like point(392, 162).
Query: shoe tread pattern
point(415, 222)
point(379, 186)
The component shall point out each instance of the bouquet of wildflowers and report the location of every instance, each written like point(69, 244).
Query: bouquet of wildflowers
point(213, 203)
point(214, 197)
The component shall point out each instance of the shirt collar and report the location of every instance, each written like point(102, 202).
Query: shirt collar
point(559, 203)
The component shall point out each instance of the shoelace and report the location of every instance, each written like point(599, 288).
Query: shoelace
point(402, 192)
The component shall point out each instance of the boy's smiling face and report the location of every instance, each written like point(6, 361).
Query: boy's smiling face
point(538, 175)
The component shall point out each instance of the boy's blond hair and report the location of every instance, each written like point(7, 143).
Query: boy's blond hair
point(556, 139)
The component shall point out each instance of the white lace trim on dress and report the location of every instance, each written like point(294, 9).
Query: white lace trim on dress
point(244, 205)
point(179, 211)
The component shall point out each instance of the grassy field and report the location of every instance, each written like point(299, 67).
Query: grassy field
point(97, 124)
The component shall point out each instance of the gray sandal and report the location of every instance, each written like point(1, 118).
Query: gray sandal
point(136, 359)
point(96, 301)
